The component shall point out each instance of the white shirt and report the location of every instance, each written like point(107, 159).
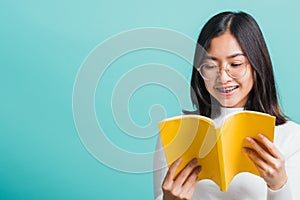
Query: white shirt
point(245, 186)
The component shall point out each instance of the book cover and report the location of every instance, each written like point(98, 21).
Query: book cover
point(217, 149)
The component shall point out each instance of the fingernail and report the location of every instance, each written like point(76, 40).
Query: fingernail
point(261, 136)
point(180, 159)
point(246, 150)
point(194, 161)
point(249, 139)
point(198, 169)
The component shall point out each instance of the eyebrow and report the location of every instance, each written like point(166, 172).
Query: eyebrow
point(231, 56)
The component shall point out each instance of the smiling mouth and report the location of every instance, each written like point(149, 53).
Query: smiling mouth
point(227, 89)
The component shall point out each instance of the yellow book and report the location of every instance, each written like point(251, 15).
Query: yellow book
point(218, 150)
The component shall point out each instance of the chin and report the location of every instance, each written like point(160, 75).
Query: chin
point(229, 104)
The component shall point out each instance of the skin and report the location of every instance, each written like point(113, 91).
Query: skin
point(263, 153)
point(268, 160)
point(225, 50)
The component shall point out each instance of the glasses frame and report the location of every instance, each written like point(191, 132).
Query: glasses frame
point(245, 64)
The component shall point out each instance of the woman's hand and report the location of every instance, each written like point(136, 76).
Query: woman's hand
point(183, 185)
point(268, 160)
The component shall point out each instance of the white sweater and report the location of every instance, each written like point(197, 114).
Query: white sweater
point(245, 186)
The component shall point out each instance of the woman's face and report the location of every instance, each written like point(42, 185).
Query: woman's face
point(230, 92)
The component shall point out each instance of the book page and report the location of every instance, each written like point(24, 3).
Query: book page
point(233, 134)
point(192, 137)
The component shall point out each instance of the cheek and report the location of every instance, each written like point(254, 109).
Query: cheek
point(209, 86)
point(247, 83)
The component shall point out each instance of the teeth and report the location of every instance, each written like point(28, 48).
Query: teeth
point(227, 90)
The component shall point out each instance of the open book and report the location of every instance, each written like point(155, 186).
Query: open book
point(218, 150)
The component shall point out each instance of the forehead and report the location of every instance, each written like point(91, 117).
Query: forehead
point(224, 46)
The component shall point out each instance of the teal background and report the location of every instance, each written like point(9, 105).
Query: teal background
point(43, 44)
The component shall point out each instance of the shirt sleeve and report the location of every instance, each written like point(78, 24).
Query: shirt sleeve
point(160, 170)
point(281, 194)
point(291, 189)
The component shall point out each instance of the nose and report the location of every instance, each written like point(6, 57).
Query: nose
point(223, 75)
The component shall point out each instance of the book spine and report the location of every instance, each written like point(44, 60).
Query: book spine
point(222, 169)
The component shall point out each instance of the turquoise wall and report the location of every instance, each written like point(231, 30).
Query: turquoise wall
point(44, 44)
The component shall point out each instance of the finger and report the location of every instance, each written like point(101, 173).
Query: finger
point(258, 166)
point(279, 161)
point(269, 146)
point(174, 166)
point(266, 170)
point(188, 188)
point(260, 150)
point(273, 173)
point(191, 180)
point(255, 157)
point(168, 181)
point(183, 175)
point(189, 193)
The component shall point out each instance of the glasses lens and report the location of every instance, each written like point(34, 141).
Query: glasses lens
point(237, 70)
point(208, 70)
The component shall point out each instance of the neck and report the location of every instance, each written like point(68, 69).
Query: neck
point(226, 111)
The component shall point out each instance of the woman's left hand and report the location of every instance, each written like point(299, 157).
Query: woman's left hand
point(268, 160)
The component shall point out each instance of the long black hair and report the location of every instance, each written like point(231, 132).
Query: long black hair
point(243, 27)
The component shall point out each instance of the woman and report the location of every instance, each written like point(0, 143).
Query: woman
point(233, 74)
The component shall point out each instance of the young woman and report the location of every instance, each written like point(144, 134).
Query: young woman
point(233, 74)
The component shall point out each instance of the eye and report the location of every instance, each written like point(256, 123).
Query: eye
point(208, 66)
point(236, 65)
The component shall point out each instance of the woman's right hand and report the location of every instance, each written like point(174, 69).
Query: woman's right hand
point(183, 185)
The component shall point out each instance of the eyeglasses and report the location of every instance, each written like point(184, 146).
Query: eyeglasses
point(210, 71)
